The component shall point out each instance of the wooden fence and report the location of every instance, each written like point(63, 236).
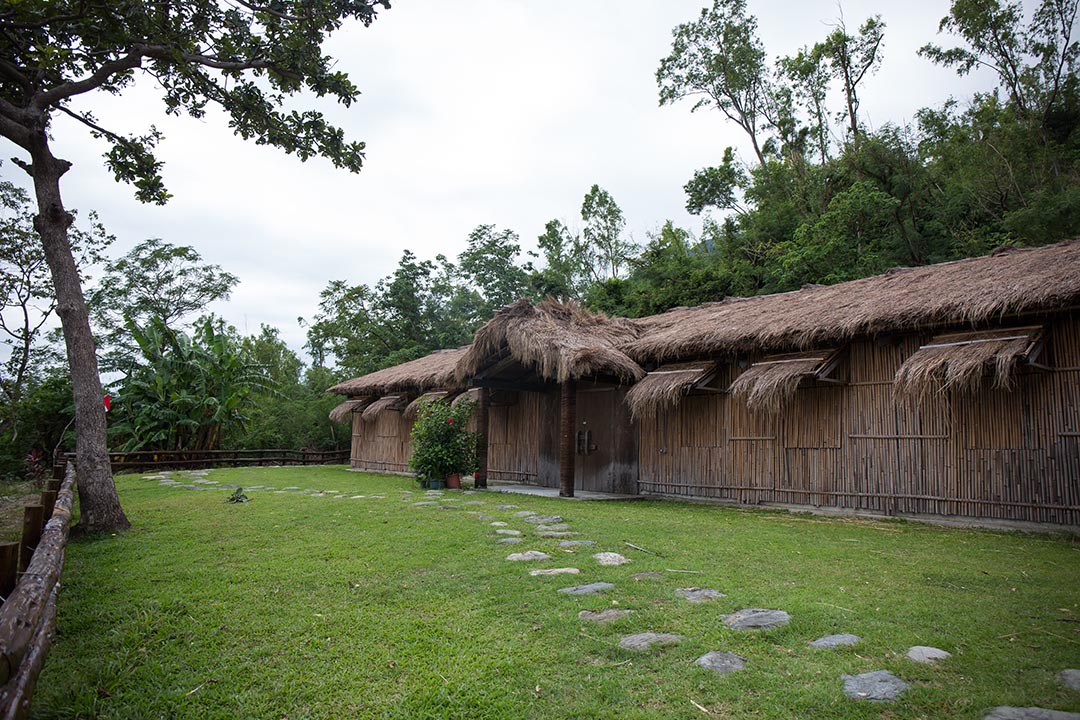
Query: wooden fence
point(28, 615)
point(183, 459)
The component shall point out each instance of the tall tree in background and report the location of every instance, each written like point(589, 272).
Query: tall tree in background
point(607, 248)
point(489, 264)
point(243, 57)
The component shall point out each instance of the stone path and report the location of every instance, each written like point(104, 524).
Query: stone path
point(645, 641)
point(699, 595)
point(756, 619)
point(877, 686)
point(927, 655)
point(721, 662)
point(832, 641)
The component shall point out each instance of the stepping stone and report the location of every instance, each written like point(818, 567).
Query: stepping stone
point(508, 540)
point(604, 616)
point(255, 487)
point(378, 497)
point(927, 655)
point(485, 518)
point(354, 497)
point(590, 589)
point(505, 507)
point(647, 576)
point(528, 555)
point(1070, 678)
point(498, 523)
point(552, 528)
point(832, 641)
point(555, 534)
point(476, 502)
point(541, 519)
point(504, 531)
point(576, 543)
point(291, 487)
point(699, 595)
point(555, 571)
point(524, 514)
point(877, 686)
point(721, 662)
point(644, 641)
point(422, 503)
point(756, 619)
point(1031, 713)
point(610, 558)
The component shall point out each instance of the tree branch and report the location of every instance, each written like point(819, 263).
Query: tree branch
point(41, 101)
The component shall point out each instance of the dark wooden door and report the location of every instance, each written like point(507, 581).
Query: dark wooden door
point(605, 442)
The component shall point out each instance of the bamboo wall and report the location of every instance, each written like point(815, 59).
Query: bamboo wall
point(516, 434)
point(384, 444)
point(996, 454)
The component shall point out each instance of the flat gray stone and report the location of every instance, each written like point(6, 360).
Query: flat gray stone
point(647, 576)
point(645, 641)
point(498, 523)
point(699, 595)
point(721, 662)
point(756, 619)
point(422, 503)
point(550, 534)
point(1031, 713)
point(527, 556)
point(555, 571)
point(291, 487)
point(552, 528)
point(590, 589)
point(927, 655)
point(505, 507)
point(524, 514)
point(1070, 678)
point(604, 616)
point(876, 686)
point(832, 641)
point(541, 519)
point(507, 541)
point(610, 558)
point(576, 543)
point(507, 531)
point(485, 518)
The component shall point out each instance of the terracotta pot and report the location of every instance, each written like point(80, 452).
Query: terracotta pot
point(453, 481)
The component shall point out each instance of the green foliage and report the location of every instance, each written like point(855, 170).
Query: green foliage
point(442, 443)
point(488, 264)
point(606, 250)
point(185, 393)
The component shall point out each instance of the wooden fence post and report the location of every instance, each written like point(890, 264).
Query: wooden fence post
point(48, 501)
point(9, 565)
point(31, 534)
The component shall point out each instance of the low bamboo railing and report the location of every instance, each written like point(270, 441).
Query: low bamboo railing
point(28, 615)
point(196, 459)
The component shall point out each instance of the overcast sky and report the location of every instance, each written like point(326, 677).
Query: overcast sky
point(477, 111)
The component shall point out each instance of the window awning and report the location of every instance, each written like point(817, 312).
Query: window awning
point(343, 411)
point(665, 386)
point(472, 395)
point(386, 402)
point(772, 381)
point(414, 406)
point(962, 360)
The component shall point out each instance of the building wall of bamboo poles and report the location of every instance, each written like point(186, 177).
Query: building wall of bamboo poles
point(996, 454)
point(382, 445)
point(522, 439)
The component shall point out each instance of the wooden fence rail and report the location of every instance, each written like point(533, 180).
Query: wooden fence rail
point(183, 459)
point(28, 615)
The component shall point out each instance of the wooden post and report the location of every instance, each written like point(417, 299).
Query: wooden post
point(31, 534)
point(567, 430)
point(9, 566)
point(48, 500)
point(482, 402)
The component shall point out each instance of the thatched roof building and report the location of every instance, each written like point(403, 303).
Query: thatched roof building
point(971, 291)
point(431, 372)
point(557, 341)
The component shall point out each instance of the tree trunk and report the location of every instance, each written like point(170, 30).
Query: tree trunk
point(99, 506)
point(568, 433)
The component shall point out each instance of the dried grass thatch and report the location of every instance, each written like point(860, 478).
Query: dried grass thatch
point(560, 341)
point(414, 377)
point(471, 395)
point(961, 361)
point(665, 386)
point(767, 385)
point(414, 406)
point(344, 411)
point(968, 291)
point(387, 402)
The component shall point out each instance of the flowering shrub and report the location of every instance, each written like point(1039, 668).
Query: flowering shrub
point(442, 445)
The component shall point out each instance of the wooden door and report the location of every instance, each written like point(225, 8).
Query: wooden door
point(605, 442)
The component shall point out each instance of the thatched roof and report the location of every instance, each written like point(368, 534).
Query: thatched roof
point(387, 402)
point(414, 406)
point(471, 395)
point(665, 386)
point(962, 292)
point(962, 360)
point(434, 371)
point(345, 410)
point(559, 341)
point(767, 385)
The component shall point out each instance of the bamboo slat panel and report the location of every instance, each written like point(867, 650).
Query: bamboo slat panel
point(514, 433)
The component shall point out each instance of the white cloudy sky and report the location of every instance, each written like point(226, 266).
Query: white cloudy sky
point(476, 111)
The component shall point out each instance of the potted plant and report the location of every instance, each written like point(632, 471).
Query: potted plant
point(443, 447)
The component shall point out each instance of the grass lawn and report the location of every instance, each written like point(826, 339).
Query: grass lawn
point(295, 606)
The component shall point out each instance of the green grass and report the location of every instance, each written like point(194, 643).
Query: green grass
point(293, 606)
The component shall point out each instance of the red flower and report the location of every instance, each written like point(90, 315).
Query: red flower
point(450, 420)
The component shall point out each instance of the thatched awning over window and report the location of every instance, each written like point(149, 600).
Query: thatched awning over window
point(387, 402)
point(472, 395)
point(665, 386)
point(768, 384)
point(962, 360)
point(414, 406)
point(344, 411)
